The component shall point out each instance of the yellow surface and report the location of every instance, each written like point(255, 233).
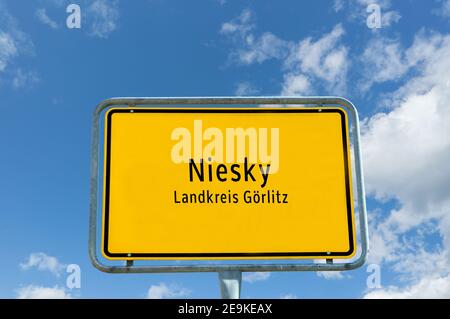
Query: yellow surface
point(143, 218)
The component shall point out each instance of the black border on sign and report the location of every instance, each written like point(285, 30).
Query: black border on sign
point(130, 255)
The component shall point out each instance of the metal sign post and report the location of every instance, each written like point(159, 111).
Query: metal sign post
point(137, 136)
point(230, 284)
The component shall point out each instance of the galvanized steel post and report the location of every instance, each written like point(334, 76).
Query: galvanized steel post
point(230, 284)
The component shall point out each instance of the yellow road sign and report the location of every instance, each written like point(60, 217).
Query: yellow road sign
point(227, 183)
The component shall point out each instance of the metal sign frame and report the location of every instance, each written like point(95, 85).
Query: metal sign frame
point(324, 102)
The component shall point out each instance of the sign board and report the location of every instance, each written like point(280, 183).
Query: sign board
point(227, 183)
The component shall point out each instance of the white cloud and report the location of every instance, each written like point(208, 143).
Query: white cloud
point(296, 84)
point(13, 42)
point(43, 262)
point(8, 50)
point(385, 59)
point(163, 291)
point(240, 25)
point(308, 64)
point(56, 3)
point(252, 48)
point(336, 275)
point(390, 17)
point(252, 277)
point(24, 79)
point(444, 10)
point(324, 61)
point(245, 88)
point(381, 3)
point(338, 5)
point(39, 292)
point(428, 287)
point(382, 60)
point(102, 17)
point(320, 57)
point(41, 14)
point(406, 152)
point(262, 48)
point(289, 296)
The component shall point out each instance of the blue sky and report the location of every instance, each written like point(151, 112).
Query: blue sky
point(51, 77)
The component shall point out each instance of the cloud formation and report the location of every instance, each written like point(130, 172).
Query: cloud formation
point(43, 17)
point(23, 79)
point(251, 47)
point(14, 43)
point(40, 292)
point(102, 17)
point(433, 287)
point(406, 153)
point(43, 262)
point(164, 291)
point(252, 277)
point(308, 66)
point(245, 88)
point(322, 62)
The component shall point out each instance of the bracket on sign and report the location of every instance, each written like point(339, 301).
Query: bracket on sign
point(230, 275)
